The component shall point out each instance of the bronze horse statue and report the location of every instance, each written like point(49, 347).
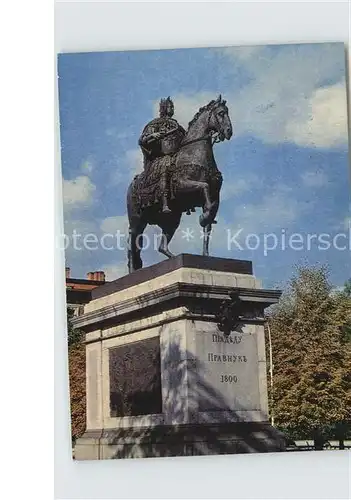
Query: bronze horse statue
point(194, 179)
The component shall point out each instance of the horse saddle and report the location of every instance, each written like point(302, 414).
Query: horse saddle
point(148, 185)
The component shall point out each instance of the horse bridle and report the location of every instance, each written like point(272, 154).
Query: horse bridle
point(215, 137)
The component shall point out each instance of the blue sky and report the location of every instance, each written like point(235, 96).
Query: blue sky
point(285, 170)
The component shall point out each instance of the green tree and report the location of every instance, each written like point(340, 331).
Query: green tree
point(344, 310)
point(77, 386)
point(312, 368)
point(74, 334)
point(77, 377)
point(347, 288)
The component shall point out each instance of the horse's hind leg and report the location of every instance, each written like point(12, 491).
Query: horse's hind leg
point(136, 230)
point(169, 226)
point(206, 221)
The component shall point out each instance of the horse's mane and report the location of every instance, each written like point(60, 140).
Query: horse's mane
point(201, 110)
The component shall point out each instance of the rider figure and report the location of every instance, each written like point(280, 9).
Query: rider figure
point(160, 141)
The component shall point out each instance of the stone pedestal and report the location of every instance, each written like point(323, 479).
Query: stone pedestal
point(162, 378)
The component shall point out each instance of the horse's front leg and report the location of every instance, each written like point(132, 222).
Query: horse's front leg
point(206, 238)
point(208, 216)
point(190, 185)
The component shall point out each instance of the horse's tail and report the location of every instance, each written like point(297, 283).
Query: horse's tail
point(133, 203)
point(134, 217)
point(130, 200)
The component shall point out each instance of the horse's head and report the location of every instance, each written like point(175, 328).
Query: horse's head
point(212, 119)
point(219, 121)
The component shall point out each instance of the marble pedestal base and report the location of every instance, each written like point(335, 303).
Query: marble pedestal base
point(162, 378)
point(180, 440)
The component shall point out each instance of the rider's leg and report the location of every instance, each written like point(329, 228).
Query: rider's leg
point(164, 193)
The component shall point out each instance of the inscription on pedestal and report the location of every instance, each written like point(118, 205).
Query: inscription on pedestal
point(227, 371)
point(135, 379)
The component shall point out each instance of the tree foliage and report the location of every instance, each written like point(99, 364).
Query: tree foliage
point(311, 352)
point(345, 299)
point(77, 378)
point(347, 288)
point(74, 334)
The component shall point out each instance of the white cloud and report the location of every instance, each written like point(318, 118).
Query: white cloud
point(314, 179)
point(113, 224)
point(285, 99)
point(78, 192)
point(81, 226)
point(131, 165)
point(236, 187)
point(277, 210)
point(115, 271)
point(326, 122)
point(134, 160)
point(87, 166)
point(75, 231)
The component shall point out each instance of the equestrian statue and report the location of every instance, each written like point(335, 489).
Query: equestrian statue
point(180, 174)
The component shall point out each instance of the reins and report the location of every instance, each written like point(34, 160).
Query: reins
point(215, 137)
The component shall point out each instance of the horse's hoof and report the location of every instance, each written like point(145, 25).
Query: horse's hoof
point(203, 220)
point(167, 253)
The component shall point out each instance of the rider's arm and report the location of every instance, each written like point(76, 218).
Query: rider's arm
point(147, 136)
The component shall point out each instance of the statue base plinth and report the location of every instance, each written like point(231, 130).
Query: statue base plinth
point(163, 379)
point(179, 440)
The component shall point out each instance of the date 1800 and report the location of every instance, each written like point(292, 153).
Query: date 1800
point(229, 379)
